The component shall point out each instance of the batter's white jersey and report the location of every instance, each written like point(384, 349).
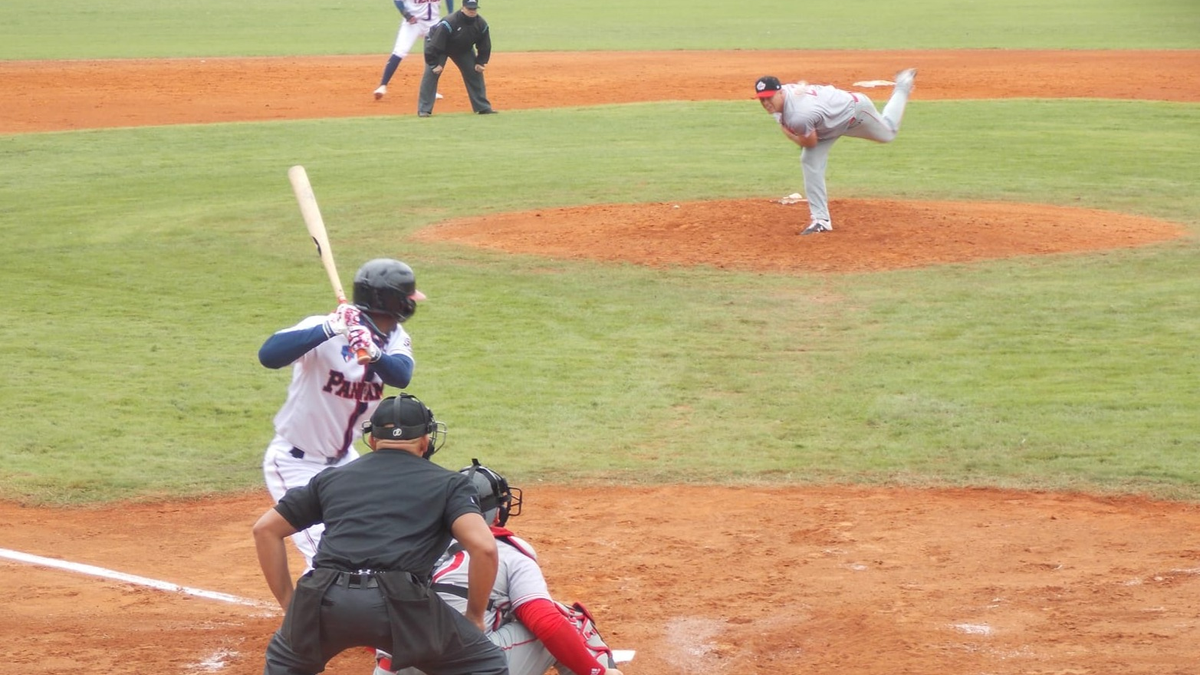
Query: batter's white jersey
point(331, 393)
point(824, 108)
point(329, 397)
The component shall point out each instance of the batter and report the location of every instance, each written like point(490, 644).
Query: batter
point(330, 392)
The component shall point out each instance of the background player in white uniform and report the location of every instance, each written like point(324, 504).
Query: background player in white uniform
point(419, 17)
point(330, 393)
point(534, 631)
point(814, 116)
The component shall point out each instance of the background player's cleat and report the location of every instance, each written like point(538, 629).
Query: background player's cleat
point(436, 95)
point(380, 91)
point(818, 226)
point(904, 79)
point(423, 114)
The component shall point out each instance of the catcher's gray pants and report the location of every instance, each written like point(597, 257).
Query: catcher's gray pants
point(476, 89)
point(867, 123)
point(526, 654)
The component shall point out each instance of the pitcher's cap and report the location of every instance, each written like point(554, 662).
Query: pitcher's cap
point(766, 86)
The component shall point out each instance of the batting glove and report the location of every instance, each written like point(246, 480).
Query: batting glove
point(335, 326)
point(361, 340)
point(349, 314)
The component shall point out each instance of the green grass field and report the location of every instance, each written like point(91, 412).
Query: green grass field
point(144, 267)
point(58, 29)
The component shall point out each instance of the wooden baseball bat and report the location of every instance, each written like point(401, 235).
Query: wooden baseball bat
point(316, 229)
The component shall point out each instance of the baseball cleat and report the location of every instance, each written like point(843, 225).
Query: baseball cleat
point(423, 114)
point(380, 91)
point(818, 225)
point(438, 96)
point(904, 79)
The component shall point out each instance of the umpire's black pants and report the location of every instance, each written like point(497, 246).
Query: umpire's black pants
point(476, 89)
point(358, 617)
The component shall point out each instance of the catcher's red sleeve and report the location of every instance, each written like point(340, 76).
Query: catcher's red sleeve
point(560, 637)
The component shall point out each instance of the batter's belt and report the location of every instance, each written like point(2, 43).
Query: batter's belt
point(313, 457)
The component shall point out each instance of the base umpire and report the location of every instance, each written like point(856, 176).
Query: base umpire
point(388, 517)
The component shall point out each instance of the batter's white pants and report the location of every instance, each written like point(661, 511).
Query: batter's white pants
point(867, 123)
point(283, 472)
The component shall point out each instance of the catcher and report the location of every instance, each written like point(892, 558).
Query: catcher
point(533, 630)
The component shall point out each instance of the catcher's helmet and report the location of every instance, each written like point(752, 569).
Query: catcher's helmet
point(387, 286)
point(496, 498)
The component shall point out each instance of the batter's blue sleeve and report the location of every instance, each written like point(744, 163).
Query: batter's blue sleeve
point(395, 370)
point(283, 348)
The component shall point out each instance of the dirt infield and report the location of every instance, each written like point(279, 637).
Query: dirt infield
point(48, 96)
point(697, 579)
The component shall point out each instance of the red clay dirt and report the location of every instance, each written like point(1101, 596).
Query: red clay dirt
point(766, 580)
point(57, 95)
point(761, 234)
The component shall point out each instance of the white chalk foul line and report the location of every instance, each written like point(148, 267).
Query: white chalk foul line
point(130, 578)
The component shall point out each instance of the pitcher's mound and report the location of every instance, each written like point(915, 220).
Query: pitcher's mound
point(763, 235)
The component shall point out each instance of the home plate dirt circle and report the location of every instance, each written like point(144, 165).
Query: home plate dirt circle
point(763, 235)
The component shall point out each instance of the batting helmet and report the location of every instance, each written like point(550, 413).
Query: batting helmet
point(387, 286)
point(496, 498)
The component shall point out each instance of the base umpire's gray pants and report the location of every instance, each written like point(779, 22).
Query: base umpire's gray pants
point(476, 89)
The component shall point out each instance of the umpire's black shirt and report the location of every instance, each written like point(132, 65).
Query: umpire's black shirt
point(458, 34)
point(387, 510)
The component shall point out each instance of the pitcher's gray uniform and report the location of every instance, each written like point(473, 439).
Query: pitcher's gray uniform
point(803, 108)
